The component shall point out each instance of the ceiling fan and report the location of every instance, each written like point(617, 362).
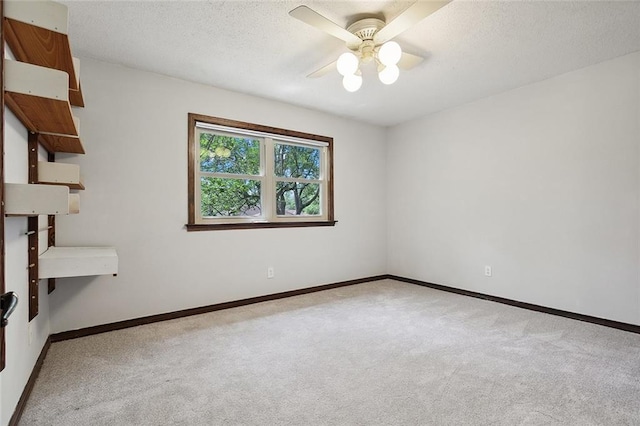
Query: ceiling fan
point(369, 40)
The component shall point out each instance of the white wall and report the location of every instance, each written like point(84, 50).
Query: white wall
point(542, 183)
point(24, 339)
point(134, 128)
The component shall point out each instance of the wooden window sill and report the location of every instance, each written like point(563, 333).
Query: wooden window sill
point(224, 226)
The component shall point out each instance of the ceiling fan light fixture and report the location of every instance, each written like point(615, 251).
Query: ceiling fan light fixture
point(347, 64)
point(369, 38)
point(352, 82)
point(389, 74)
point(390, 53)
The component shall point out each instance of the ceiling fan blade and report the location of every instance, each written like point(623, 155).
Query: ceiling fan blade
point(323, 71)
point(411, 16)
point(313, 18)
point(408, 61)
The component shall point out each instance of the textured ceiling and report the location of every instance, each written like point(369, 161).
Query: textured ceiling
point(473, 48)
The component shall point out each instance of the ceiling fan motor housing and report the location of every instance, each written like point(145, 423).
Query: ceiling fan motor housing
point(366, 28)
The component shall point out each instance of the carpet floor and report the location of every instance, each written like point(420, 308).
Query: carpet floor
point(382, 353)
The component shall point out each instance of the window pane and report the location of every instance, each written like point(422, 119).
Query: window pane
point(297, 161)
point(230, 197)
point(295, 198)
point(227, 154)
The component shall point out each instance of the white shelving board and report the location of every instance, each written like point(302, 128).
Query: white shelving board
point(74, 203)
point(61, 262)
point(44, 14)
point(58, 173)
point(34, 80)
point(23, 199)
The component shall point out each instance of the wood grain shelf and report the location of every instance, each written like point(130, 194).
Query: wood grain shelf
point(61, 262)
point(39, 97)
point(61, 143)
point(59, 174)
point(37, 33)
point(76, 98)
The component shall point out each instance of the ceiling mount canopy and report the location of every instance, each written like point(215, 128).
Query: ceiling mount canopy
point(369, 40)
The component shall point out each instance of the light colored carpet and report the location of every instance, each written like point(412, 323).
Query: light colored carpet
point(376, 353)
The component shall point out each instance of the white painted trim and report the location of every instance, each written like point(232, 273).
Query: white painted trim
point(254, 133)
point(266, 178)
point(269, 192)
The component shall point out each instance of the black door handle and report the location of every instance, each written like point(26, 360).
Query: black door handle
point(8, 303)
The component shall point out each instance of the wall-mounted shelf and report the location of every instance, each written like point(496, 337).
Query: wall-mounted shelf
point(61, 143)
point(59, 174)
point(60, 262)
point(74, 203)
point(40, 87)
point(37, 33)
point(75, 96)
point(23, 199)
point(39, 97)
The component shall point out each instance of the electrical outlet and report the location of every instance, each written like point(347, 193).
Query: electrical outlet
point(487, 271)
point(271, 272)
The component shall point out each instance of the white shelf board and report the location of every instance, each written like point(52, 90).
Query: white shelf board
point(44, 14)
point(39, 97)
point(58, 173)
point(23, 199)
point(74, 203)
point(34, 80)
point(61, 262)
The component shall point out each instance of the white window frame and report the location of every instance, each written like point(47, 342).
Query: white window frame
point(267, 178)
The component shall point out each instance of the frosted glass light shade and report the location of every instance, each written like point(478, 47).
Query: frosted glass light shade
point(352, 82)
point(389, 53)
point(347, 64)
point(389, 74)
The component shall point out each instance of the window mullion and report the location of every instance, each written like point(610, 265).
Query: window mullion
point(230, 176)
point(324, 176)
point(298, 180)
point(269, 191)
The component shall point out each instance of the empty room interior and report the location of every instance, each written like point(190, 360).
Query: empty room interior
point(320, 212)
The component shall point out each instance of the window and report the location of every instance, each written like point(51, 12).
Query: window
point(244, 175)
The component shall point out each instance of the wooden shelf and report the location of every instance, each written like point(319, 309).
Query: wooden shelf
point(23, 199)
point(39, 97)
point(75, 96)
point(37, 33)
point(61, 262)
point(53, 142)
point(61, 143)
point(59, 174)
